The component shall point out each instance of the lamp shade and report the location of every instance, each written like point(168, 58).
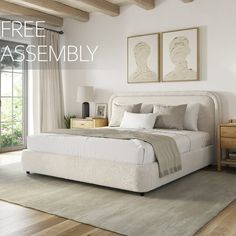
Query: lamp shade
point(85, 94)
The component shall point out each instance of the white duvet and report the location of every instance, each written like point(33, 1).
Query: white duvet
point(128, 151)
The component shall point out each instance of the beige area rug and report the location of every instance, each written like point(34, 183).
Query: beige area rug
point(177, 209)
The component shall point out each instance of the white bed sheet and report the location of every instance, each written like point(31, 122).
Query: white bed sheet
point(127, 151)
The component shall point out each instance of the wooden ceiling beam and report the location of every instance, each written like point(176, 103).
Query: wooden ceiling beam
point(14, 9)
point(146, 4)
point(55, 8)
point(103, 6)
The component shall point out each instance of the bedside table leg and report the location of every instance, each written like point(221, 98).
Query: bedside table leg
point(218, 167)
point(219, 151)
point(219, 160)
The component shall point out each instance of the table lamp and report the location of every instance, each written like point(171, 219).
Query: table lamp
point(85, 95)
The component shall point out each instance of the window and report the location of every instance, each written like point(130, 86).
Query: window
point(13, 95)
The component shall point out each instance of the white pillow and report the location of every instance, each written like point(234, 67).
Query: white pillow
point(118, 111)
point(191, 117)
point(138, 121)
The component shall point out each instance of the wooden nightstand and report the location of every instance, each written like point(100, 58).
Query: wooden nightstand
point(88, 123)
point(226, 140)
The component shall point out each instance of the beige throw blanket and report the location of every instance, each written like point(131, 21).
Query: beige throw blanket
point(165, 148)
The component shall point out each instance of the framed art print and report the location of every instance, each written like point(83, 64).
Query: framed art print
point(101, 110)
point(180, 55)
point(143, 58)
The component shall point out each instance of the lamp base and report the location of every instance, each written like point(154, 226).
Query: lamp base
point(85, 110)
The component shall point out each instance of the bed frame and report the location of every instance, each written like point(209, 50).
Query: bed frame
point(136, 178)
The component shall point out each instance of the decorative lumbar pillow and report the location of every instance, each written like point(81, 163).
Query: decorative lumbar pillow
point(138, 121)
point(191, 117)
point(118, 111)
point(170, 117)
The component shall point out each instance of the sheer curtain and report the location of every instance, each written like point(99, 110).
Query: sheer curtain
point(48, 93)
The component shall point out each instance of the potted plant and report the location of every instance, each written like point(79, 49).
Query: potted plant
point(67, 119)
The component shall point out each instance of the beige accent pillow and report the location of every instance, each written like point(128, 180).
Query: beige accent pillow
point(170, 117)
point(146, 108)
point(118, 111)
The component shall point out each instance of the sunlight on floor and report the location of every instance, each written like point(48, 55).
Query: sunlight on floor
point(10, 157)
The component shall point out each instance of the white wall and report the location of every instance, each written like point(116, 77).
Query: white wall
point(216, 19)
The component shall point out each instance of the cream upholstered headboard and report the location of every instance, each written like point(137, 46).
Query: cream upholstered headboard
point(210, 108)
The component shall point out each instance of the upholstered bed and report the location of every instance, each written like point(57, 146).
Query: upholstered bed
point(127, 164)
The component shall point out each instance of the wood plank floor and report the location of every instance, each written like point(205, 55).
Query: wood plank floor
point(224, 224)
point(20, 221)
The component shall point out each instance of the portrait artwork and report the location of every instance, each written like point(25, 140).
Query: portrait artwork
point(180, 55)
point(143, 58)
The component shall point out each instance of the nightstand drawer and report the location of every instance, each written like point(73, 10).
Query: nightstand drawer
point(228, 142)
point(77, 123)
point(82, 124)
point(228, 132)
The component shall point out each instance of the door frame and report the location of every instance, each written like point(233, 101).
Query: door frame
point(25, 101)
